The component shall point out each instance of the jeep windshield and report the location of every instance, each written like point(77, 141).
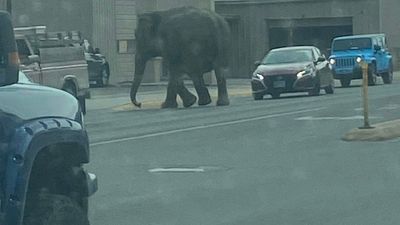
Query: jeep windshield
point(352, 44)
point(287, 56)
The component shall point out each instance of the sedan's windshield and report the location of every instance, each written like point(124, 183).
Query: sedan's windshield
point(352, 44)
point(288, 56)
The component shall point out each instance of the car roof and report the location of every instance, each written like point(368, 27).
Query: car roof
point(360, 36)
point(293, 48)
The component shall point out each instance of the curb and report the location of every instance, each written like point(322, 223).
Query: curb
point(381, 132)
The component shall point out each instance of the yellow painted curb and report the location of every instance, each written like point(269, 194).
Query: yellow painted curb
point(381, 132)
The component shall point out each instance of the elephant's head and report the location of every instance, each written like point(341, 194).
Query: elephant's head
point(148, 45)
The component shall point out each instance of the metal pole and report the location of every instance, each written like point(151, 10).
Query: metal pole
point(9, 7)
point(364, 67)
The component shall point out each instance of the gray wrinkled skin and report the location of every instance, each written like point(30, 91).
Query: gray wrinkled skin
point(191, 41)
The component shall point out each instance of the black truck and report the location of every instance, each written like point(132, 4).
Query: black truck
point(43, 147)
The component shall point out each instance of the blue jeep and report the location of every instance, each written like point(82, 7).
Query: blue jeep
point(43, 146)
point(347, 53)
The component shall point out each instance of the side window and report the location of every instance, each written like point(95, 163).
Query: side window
point(23, 51)
point(318, 52)
point(380, 42)
point(374, 42)
point(315, 54)
point(385, 46)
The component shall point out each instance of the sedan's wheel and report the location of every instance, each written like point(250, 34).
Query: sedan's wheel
point(345, 82)
point(316, 90)
point(50, 209)
point(258, 96)
point(372, 75)
point(275, 95)
point(330, 89)
point(388, 77)
point(105, 77)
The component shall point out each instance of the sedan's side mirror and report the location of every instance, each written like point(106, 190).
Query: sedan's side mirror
point(377, 48)
point(257, 63)
point(321, 59)
point(34, 59)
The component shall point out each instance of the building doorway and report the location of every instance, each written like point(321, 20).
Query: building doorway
point(319, 33)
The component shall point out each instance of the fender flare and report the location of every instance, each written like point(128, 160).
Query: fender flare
point(27, 142)
point(72, 79)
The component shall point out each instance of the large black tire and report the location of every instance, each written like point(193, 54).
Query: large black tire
point(330, 89)
point(105, 78)
point(345, 82)
point(50, 209)
point(388, 76)
point(372, 77)
point(258, 97)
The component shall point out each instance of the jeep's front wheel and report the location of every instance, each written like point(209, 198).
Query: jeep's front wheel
point(372, 77)
point(388, 76)
point(51, 209)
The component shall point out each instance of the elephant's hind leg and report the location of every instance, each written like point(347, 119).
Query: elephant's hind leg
point(187, 97)
point(202, 91)
point(223, 98)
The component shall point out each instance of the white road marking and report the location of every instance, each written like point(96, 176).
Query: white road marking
point(204, 127)
point(311, 118)
point(390, 107)
point(177, 170)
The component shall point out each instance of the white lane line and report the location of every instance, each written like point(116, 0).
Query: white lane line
point(311, 118)
point(204, 127)
point(177, 170)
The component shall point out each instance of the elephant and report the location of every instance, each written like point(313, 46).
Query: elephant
point(191, 41)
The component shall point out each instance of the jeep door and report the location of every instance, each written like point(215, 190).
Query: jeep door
point(381, 55)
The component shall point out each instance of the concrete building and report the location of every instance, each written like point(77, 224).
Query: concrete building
point(256, 25)
point(259, 25)
point(56, 15)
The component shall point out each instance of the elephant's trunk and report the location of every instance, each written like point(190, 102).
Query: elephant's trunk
point(140, 66)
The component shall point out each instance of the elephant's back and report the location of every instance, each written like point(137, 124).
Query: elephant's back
point(196, 29)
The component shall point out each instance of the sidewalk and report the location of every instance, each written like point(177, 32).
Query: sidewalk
point(385, 131)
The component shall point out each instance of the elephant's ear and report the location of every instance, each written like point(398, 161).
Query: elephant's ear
point(150, 21)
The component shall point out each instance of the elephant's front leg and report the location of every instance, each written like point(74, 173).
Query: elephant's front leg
point(170, 101)
point(223, 98)
point(187, 97)
point(202, 91)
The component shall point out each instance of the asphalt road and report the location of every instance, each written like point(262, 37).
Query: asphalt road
point(278, 162)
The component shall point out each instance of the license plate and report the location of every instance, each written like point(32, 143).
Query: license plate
point(279, 84)
point(92, 82)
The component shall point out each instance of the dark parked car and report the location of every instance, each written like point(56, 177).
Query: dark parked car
point(292, 69)
point(98, 66)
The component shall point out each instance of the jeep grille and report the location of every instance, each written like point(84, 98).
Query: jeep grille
point(345, 62)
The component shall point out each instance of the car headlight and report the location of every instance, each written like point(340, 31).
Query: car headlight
point(307, 71)
point(258, 76)
point(332, 61)
point(359, 59)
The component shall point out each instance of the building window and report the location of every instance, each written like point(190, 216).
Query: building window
point(126, 46)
